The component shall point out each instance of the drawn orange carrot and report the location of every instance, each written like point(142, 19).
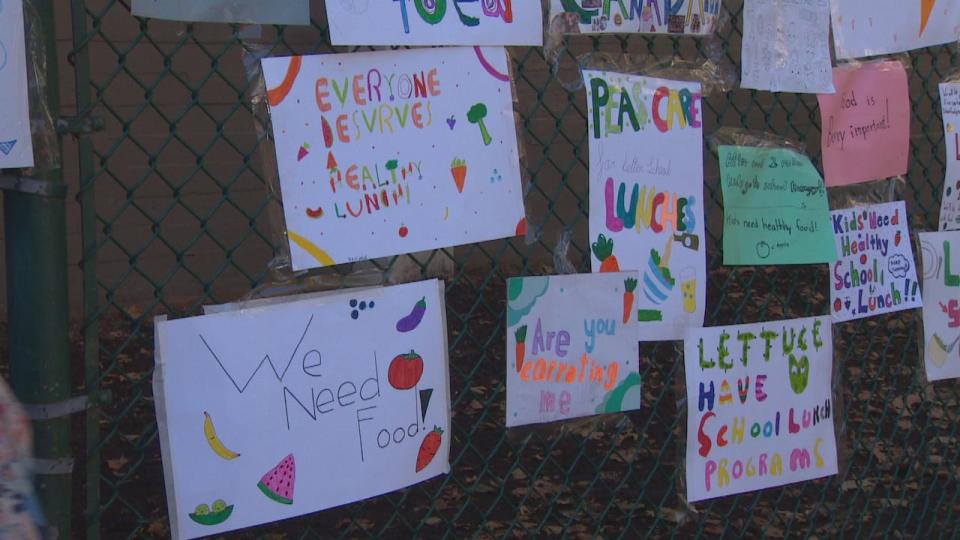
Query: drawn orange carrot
point(603, 250)
point(629, 285)
point(521, 335)
point(275, 96)
point(459, 170)
point(926, 8)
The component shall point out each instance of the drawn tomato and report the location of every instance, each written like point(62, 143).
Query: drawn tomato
point(405, 371)
point(404, 231)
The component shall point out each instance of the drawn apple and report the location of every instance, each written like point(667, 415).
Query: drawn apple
point(863, 259)
point(837, 305)
point(897, 238)
point(404, 231)
point(405, 371)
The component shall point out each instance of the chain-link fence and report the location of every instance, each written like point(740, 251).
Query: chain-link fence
point(173, 214)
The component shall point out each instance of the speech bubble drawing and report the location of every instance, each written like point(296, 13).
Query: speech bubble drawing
point(898, 265)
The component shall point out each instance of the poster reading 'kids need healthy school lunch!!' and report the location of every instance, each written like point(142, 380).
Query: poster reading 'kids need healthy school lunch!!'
point(299, 405)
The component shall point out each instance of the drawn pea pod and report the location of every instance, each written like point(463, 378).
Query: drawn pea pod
point(412, 320)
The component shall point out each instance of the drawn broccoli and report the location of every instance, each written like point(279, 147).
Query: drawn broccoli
point(476, 115)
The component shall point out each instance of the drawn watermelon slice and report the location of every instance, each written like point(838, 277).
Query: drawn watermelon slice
point(277, 484)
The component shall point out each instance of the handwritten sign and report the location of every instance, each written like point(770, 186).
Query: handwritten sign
point(759, 406)
point(866, 124)
point(392, 152)
point(950, 204)
point(875, 272)
point(228, 11)
point(775, 208)
point(646, 194)
point(873, 27)
point(16, 147)
point(437, 22)
point(572, 347)
point(634, 16)
point(296, 406)
point(941, 309)
point(786, 46)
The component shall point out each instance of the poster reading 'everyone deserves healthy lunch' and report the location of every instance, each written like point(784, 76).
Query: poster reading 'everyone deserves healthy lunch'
point(436, 22)
point(695, 18)
point(288, 408)
point(391, 152)
point(646, 194)
point(759, 406)
point(875, 272)
point(572, 346)
point(941, 309)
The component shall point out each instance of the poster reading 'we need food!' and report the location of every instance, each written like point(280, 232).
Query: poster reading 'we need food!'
point(290, 407)
point(646, 194)
point(391, 152)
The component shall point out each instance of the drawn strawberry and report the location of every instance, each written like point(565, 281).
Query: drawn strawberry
point(897, 238)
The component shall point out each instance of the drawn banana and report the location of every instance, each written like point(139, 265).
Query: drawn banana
point(215, 443)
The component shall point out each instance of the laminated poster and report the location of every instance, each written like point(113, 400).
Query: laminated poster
point(646, 194)
point(392, 152)
point(775, 208)
point(875, 272)
point(872, 27)
point(866, 124)
point(227, 11)
point(950, 205)
point(288, 408)
point(572, 347)
point(16, 146)
point(786, 46)
point(941, 309)
point(759, 406)
point(435, 22)
point(692, 17)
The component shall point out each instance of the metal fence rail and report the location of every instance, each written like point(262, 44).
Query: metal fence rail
point(173, 215)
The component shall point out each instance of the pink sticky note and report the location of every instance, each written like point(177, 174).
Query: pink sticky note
point(866, 124)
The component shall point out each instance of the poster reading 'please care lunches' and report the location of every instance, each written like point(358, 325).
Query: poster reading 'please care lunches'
point(290, 407)
point(391, 152)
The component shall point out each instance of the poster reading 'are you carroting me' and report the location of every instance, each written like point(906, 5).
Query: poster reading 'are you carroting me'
point(287, 408)
point(759, 406)
point(875, 272)
point(391, 152)
point(646, 194)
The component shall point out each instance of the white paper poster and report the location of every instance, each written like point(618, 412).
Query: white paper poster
point(392, 152)
point(289, 408)
point(950, 204)
point(227, 11)
point(941, 307)
point(786, 46)
point(436, 22)
point(572, 347)
point(16, 147)
point(694, 17)
point(875, 272)
point(759, 406)
point(874, 27)
point(646, 194)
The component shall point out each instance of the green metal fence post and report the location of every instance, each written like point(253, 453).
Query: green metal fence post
point(38, 309)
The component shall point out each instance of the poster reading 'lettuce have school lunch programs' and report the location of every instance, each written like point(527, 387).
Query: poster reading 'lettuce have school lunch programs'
point(941, 310)
point(572, 347)
point(646, 194)
point(391, 152)
point(693, 17)
point(282, 409)
point(759, 406)
point(435, 22)
point(875, 272)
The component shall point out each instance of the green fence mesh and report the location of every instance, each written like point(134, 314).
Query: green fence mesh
point(174, 204)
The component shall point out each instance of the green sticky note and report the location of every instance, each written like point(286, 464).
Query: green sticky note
point(775, 208)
